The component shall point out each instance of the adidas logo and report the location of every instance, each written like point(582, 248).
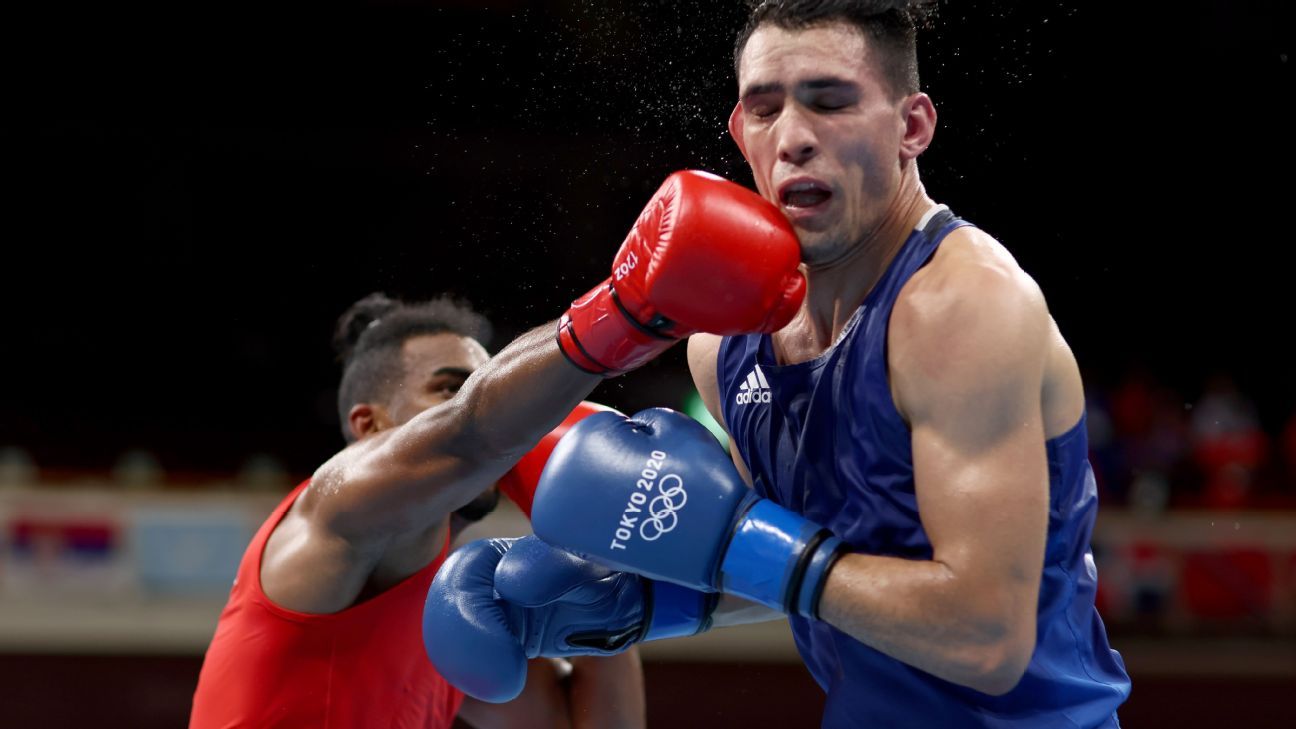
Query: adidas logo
point(755, 389)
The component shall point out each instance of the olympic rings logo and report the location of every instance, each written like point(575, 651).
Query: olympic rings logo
point(663, 510)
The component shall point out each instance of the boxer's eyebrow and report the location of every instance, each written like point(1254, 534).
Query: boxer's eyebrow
point(759, 89)
point(457, 371)
point(817, 83)
point(825, 82)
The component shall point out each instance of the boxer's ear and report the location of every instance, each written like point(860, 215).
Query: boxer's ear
point(365, 419)
point(918, 125)
point(736, 129)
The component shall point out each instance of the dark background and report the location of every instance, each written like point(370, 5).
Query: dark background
point(191, 196)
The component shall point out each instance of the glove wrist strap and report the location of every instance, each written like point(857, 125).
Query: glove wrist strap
point(673, 611)
point(779, 559)
point(599, 336)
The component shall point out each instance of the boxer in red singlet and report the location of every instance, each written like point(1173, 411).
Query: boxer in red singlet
point(322, 627)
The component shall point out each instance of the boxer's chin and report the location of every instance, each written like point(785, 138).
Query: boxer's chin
point(822, 248)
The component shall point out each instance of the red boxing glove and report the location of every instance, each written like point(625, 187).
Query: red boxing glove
point(519, 484)
point(706, 255)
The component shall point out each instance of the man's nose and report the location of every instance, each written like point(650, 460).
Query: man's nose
point(797, 142)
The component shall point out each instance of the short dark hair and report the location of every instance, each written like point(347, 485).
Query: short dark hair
point(889, 26)
point(371, 333)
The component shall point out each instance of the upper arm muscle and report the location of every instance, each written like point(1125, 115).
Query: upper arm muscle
point(967, 359)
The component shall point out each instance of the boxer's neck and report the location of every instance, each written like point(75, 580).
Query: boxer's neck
point(835, 290)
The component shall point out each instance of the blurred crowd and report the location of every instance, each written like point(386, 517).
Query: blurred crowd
point(1152, 449)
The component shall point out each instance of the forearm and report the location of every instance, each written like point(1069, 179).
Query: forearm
point(607, 691)
point(509, 403)
point(500, 413)
point(962, 629)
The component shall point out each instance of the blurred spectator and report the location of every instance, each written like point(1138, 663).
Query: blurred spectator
point(262, 472)
point(138, 470)
point(16, 468)
point(1228, 444)
point(1131, 404)
point(1139, 437)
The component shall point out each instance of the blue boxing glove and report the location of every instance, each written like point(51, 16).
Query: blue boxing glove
point(496, 603)
point(657, 495)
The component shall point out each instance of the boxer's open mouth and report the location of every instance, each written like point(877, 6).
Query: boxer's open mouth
point(804, 193)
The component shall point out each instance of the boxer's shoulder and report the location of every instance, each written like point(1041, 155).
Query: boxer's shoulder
point(299, 569)
point(967, 260)
point(308, 567)
point(704, 345)
point(970, 277)
point(970, 317)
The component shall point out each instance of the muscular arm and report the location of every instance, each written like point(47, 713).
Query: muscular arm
point(702, 351)
point(414, 475)
point(966, 357)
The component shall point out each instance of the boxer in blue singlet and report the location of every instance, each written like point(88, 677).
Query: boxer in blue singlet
point(923, 405)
